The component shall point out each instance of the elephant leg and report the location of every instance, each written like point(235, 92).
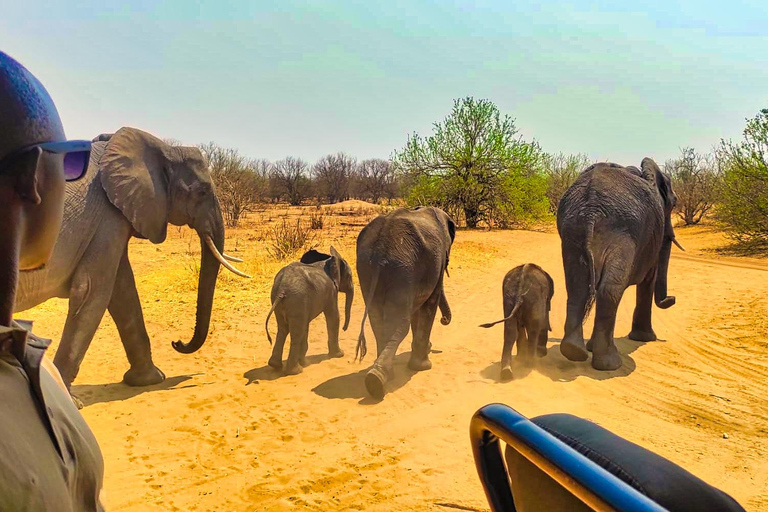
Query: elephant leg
point(577, 283)
point(524, 352)
point(276, 360)
point(541, 345)
point(299, 334)
point(89, 296)
point(641, 320)
point(332, 325)
point(421, 326)
point(396, 324)
point(510, 336)
point(125, 308)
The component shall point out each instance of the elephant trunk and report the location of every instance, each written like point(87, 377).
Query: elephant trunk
point(209, 271)
point(661, 298)
point(350, 294)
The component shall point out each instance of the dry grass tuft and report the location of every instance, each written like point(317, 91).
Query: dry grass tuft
point(286, 239)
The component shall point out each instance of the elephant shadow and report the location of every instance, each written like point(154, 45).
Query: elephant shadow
point(555, 366)
point(352, 385)
point(90, 394)
point(267, 373)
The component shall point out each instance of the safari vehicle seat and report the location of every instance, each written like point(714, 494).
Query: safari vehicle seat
point(562, 462)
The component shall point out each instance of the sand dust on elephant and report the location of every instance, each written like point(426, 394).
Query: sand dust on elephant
point(227, 432)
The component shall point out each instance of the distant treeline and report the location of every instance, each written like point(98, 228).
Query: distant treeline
point(477, 167)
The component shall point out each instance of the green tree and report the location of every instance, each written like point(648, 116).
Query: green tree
point(470, 164)
point(744, 164)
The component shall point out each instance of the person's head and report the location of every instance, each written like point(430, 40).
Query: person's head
point(32, 173)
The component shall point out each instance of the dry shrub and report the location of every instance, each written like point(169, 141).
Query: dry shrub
point(287, 239)
point(316, 220)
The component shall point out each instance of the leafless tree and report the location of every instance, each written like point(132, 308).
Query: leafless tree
point(290, 179)
point(562, 170)
point(240, 182)
point(375, 179)
point(696, 182)
point(331, 175)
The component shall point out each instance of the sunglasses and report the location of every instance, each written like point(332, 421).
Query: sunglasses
point(77, 154)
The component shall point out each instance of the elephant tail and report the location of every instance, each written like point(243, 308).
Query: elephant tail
point(272, 310)
point(511, 315)
point(362, 349)
point(591, 264)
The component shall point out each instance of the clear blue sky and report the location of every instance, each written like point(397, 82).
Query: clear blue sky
point(309, 78)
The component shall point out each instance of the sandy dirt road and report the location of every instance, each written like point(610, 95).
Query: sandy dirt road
point(226, 432)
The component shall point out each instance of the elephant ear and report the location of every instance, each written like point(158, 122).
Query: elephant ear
point(133, 173)
point(332, 268)
point(652, 174)
point(343, 266)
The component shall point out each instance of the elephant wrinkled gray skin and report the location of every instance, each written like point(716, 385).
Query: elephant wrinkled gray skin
point(616, 231)
point(300, 292)
point(136, 184)
point(401, 259)
point(527, 291)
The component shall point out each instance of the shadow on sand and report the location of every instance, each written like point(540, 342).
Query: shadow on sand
point(352, 385)
point(268, 373)
point(90, 394)
point(555, 366)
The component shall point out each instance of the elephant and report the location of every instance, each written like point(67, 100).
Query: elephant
point(135, 185)
point(616, 231)
point(300, 292)
point(401, 259)
point(527, 291)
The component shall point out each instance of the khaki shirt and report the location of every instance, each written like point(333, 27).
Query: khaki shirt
point(49, 458)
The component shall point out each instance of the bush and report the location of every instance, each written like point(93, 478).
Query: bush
point(286, 240)
point(562, 170)
point(744, 208)
point(316, 220)
point(696, 182)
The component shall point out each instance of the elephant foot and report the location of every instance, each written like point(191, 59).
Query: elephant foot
point(293, 369)
point(143, 377)
point(589, 345)
point(374, 383)
point(541, 351)
point(419, 364)
point(610, 360)
point(335, 353)
point(78, 403)
point(641, 335)
point(275, 363)
point(574, 350)
point(506, 374)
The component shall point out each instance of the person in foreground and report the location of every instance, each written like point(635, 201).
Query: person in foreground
point(49, 458)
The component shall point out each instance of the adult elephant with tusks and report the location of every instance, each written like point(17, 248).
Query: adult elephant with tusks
point(135, 186)
point(401, 259)
point(616, 231)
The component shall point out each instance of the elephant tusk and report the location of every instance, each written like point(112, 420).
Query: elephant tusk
point(231, 258)
point(215, 251)
point(674, 241)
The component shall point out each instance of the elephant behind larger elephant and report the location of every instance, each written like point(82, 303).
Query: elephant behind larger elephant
point(136, 185)
point(401, 260)
point(616, 231)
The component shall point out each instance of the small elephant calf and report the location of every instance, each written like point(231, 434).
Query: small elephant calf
point(300, 292)
point(527, 291)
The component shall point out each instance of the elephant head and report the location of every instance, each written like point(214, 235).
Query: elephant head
point(153, 184)
point(662, 183)
point(345, 285)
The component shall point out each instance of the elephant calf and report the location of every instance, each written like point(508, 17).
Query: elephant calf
point(301, 291)
point(527, 292)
